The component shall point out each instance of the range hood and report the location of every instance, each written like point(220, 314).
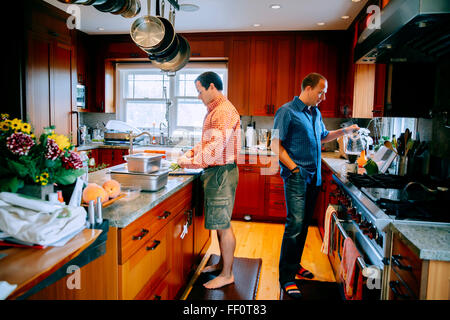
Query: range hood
point(410, 31)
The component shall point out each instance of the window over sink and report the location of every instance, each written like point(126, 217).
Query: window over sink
point(150, 99)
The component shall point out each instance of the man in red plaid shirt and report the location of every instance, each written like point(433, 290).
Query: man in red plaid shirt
point(217, 153)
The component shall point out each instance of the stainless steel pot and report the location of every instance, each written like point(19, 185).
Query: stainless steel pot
point(133, 9)
point(180, 59)
point(147, 32)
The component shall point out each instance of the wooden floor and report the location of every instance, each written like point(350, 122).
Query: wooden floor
point(263, 240)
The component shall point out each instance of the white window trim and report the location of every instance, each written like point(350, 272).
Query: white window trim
point(120, 92)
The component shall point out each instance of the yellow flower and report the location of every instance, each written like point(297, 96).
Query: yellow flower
point(44, 175)
point(4, 126)
point(4, 116)
point(61, 140)
point(26, 128)
point(16, 124)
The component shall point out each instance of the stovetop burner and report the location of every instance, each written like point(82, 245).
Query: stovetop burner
point(414, 210)
point(378, 181)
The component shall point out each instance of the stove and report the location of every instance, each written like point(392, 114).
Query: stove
point(368, 204)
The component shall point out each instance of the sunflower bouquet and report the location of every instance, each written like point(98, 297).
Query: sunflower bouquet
point(27, 160)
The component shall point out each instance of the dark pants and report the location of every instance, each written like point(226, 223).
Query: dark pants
point(300, 202)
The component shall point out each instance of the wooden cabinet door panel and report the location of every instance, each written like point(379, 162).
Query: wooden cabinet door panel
point(260, 77)
point(38, 82)
point(283, 72)
point(238, 70)
point(208, 48)
point(250, 192)
point(147, 267)
point(61, 106)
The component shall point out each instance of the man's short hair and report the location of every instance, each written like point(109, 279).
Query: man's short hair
point(206, 78)
point(312, 80)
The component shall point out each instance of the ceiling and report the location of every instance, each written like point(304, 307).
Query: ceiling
point(233, 15)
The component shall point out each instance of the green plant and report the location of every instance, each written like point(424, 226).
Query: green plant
point(26, 160)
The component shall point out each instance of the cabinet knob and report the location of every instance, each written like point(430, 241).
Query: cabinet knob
point(396, 260)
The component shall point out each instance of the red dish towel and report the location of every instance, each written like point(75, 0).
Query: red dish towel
point(347, 273)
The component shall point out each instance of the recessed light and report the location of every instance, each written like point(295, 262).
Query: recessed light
point(256, 25)
point(320, 23)
point(275, 6)
point(100, 29)
point(356, 0)
point(345, 17)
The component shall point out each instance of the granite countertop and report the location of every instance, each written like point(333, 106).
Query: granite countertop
point(427, 241)
point(126, 210)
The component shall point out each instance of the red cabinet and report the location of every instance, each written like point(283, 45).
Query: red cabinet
point(275, 200)
point(250, 192)
point(271, 73)
point(321, 54)
point(110, 157)
point(323, 198)
point(238, 74)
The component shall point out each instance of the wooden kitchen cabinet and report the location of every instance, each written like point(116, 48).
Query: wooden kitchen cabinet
point(50, 71)
point(207, 45)
point(411, 278)
point(238, 74)
point(249, 192)
point(271, 74)
point(323, 198)
point(111, 157)
point(320, 53)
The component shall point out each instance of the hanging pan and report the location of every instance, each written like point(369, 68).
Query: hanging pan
point(180, 59)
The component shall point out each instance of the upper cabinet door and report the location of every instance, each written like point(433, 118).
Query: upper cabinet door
point(238, 74)
point(283, 86)
point(261, 76)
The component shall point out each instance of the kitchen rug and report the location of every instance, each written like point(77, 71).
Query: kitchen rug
point(246, 278)
point(315, 290)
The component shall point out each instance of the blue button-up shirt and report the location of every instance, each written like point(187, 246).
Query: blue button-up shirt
point(300, 132)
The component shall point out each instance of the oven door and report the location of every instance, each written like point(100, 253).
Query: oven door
point(369, 266)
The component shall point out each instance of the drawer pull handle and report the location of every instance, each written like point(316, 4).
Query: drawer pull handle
point(155, 244)
point(396, 260)
point(394, 287)
point(165, 215)
point(156, 297)
point(279, 203)
point(142, 234)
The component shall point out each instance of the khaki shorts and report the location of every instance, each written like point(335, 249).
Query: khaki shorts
point(219, 184)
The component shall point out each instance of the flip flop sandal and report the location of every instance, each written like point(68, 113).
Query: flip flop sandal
point(292, 290)
point(303, 273)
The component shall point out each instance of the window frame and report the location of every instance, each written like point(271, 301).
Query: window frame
point(172, 93)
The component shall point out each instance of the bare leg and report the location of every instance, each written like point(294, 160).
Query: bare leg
point(227, 243)
point(217, 266)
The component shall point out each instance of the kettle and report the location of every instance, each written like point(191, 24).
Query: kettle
point(250, 136)
point(357, 141)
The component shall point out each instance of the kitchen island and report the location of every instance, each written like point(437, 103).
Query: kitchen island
point(148, 256)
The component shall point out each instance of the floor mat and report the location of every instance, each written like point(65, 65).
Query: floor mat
point(315, 290)
point(246, 278)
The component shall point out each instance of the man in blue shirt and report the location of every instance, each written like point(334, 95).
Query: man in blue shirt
point(299, 133)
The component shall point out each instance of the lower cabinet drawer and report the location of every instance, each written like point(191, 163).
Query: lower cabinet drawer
point(398, 290)
point(143, 271)
point(407, 265)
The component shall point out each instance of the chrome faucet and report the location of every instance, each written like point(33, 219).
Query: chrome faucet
point(131, 137)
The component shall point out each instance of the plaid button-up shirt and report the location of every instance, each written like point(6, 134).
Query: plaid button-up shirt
point(221, 137)
point(300, 132)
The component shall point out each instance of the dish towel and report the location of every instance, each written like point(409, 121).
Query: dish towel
point(326, 236)
point(6, 289)
point(347, 270)
point(37, 221)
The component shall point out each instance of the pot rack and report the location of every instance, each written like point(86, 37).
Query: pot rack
point(174, 3)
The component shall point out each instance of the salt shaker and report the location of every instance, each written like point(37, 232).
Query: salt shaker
point(98, 211)
point(91, 214)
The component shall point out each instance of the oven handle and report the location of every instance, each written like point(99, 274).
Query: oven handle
point(360, 260)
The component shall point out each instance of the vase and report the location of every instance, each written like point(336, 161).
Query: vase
point(37, 191)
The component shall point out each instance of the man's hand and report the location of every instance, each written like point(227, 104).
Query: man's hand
point(351, 129)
